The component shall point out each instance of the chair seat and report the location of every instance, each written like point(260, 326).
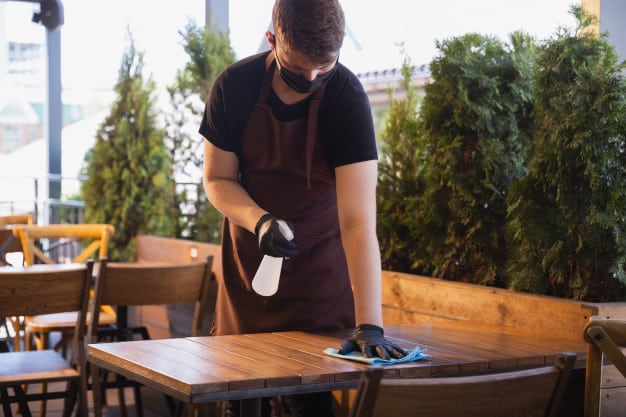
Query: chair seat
point(61, 321)
point(34, 367)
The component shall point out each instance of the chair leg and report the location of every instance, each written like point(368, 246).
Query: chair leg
point(6, 407)
point(96, 390)
point(121, 399)
point(24, 410)
point(41, 342)
point(138, 402)
point(593, 380)
point(16, 324)
point(70, 401)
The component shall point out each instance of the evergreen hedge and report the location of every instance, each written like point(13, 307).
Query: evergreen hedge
point(512, 172)
point(452, 162)
point(567, 220)
point(128, 170)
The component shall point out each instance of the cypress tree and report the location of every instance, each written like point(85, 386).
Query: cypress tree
point(128, 170)
point(209, 52)
point(566, 218)
point(399, 182)
point(475, 127)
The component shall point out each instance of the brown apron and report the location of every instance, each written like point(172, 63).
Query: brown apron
point(284, 169)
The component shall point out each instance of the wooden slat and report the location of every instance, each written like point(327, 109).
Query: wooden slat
point(129, 283)
point(34, 366)
point(417, 298)
point(613, 402)
point(243, 355)
point(155, 364)
point(312, 369)
point(58, 297)
point(315, 344)
point(162, 249)
point(471, 354)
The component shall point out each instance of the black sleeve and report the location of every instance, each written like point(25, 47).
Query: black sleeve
point(214, 125)
point(230, 102)
point(348, 127)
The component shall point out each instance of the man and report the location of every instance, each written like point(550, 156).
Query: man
point(290, 137)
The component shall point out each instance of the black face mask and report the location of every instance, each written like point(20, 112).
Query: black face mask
point(300, 84)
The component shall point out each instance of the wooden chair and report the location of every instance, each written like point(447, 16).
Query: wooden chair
point(98, 234)
point(41, 326)
point(137, 284)
point(528, 392)
point(38, 328)
point(605, 338)
point(26, 218)
point(9, 243)
point(41, 290)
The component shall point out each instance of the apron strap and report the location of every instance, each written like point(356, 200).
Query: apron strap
point(311, 131)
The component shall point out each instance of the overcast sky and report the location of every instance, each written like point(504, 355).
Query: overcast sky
point(93, 37)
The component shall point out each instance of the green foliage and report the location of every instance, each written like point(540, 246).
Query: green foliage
point(399, 183)
point(475, 127)
point(566, 218)
point(209, 52)
point(129, 181)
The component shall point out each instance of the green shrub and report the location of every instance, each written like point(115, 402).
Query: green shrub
point(128, 170)
point(474, 128)
point(399, 182)
point(209, 52)
point(566, 218)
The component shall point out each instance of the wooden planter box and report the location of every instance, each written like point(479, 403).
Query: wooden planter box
point(417, 299)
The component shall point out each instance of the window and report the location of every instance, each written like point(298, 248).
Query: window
point(11, 138)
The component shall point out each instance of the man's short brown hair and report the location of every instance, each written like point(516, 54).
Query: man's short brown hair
point(314, 28)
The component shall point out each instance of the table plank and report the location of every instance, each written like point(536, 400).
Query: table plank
point(498, 349)
point(315, 344)
point(245, 355)
point(159, 365)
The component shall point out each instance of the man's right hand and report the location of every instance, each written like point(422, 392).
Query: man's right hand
point(275, 237)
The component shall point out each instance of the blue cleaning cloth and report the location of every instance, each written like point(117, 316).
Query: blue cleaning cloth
point(413, 355)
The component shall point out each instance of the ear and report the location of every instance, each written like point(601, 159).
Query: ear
point(271, 40)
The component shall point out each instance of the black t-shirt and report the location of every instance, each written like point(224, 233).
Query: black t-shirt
point(345, 125)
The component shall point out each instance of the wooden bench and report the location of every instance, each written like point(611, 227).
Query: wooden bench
point(174, 320)
point(164, 249)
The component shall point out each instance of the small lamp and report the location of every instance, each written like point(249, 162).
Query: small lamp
point(50, 14)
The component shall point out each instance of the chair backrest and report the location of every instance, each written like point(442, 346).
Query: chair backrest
point(138, 283)
point(152, 248)
point(99, 234)
point(16, 219)
point(8, 242)
point(45, 289)
point(529, 392)
point(605, 337)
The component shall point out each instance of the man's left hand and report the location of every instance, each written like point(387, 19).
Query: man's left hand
point(370, 340)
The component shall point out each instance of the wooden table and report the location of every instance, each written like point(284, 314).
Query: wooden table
point(206, 369)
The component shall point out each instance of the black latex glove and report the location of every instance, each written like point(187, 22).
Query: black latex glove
point(271, 240)
point(370, 340)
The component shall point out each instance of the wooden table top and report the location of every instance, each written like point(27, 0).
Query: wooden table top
point(205, 369)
